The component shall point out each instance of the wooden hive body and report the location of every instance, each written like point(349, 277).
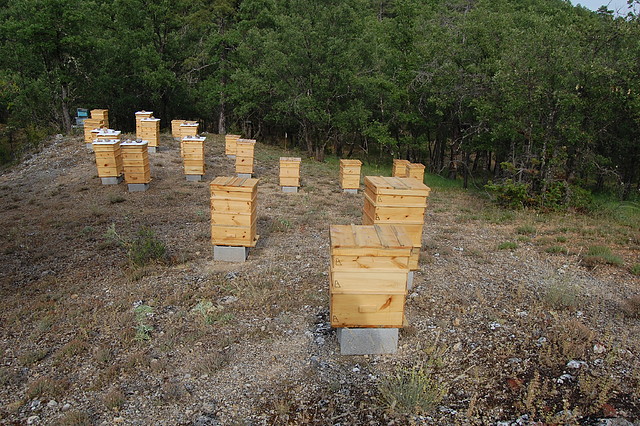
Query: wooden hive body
point(368, 275)
point(89, 125)
point(108, 158)
point(139, 116)
point(189, 128)
point(175, 128)
point(193, 155)
point(399, 201)
point(399, 168)
point(149, 131)
point(350, 174)
point(135, 159)
point(107, 134)
point(416, 171)
point(234, 211)
point(101, 114)
point(244, 155)
point(230, 144)
point(290, 171)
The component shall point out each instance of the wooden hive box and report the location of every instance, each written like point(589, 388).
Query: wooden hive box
point(416, 171)
point(189, 128)
point(234, 211)
point(107, 134)
point(400, 201)
point(89, 125)
point(368, 275)
point(101, 114)
point(230, 144)
point(350, 174)
point(149, 131)
point(108, 158)
point(290, 171)
point(135, 159)
point(399, 168)
point(193, 155)
point(244, 155)
point(175, 128)
point(139, 116)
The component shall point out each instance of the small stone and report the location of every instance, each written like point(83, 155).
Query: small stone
point(298, 257)
point(599, 349)
point(457, 347)
point(66, 407)
point(32, 420)
point(565, 378)
point(52, 404)
point(231, 275)
point(575, 364)
point(118, 419)
point(228, 300)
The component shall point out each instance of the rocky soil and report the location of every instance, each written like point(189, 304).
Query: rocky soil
point(520, 335)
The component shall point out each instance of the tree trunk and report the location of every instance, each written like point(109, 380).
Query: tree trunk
point(222, 128)
point(66, 117)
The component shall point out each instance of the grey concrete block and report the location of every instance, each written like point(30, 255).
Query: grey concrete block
point(89, 146)
point(350, 191)
point(410, 281)
point(230, 253)
point(367, 341)
point(138, 187)
point(231, 156)
point(289, 189)
point(194, 178)
point(112, 180)
point(244, 175)
point(152, 149)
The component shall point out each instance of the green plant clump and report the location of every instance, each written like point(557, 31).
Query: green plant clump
point(507, 245)
point(143, 249)
point(602, 254)
point(411, 391)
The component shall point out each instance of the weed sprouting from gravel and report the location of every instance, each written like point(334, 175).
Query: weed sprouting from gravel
point(411, 391)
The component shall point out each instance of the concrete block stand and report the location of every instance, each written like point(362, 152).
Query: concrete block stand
point(137, 187)
point(112, 180)
point(89, 146)
point(350, 191)
point(194, 178)
point(410, 281)
point(367, 341)
point(244, 175)
point(230, 253)
point(231, 156)
point(289, 189)
point(152, 149)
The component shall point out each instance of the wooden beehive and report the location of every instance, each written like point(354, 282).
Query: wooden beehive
point(175, 128)
point(234, 211)
point(107, 134)
point(101, 114)
point(350, 174)
point(416, 171)
point(135, 159)
point(368, 275)
point(188, 128)
point(290, 171)
point(89, 125)
point(244, 155)
point(108, 158)
point(399, 201)
point(230, 144)
point(400, 168)
point(149, 131)
point(193, 155)
point(139, 116)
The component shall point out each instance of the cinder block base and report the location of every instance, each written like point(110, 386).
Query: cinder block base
point(231, 156)
point(289, 189)
point(194, 178)
point(244, 175)
point(410, 281)
point(152, 149)
point(350, 191)
point(89, 146)
point(138, 187)
point(112, 180)
point(367, 341)
point(230, 253)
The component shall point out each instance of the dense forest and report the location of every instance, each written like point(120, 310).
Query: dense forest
point(537, 97)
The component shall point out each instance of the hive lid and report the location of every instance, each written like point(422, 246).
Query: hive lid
point(106, 142)
point(246, 141)
point(415, 166)
point(194, 138)
point(347, 162)
point(143, 112)
point(150, 119)
point(369, 236)
point(396, 185)
point(291, 159)
point(189, 124)
point(133, 143)
point(234, 183)
point(109, 132)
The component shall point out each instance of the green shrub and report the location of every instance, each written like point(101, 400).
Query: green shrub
point(143, 249)
point(410, 391)
point(526, 230)
point(511, 194)
point(601, 254)
point(635, 269)
point(507, 245)
point(557, 249)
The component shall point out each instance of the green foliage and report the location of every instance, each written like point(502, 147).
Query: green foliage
point(507, 245)
point(557, 249)
point(411, 391)
point(601, 254)
point(526, 230)
point(142, 249)
point(511, 194)
point(635, 269)
point(143, 330)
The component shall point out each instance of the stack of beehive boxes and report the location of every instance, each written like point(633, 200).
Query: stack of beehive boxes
point(91, 124)
point(350, 175)
point(139, 116)
point(109, 161)
point(175, 128)
point(290, 173)
point(193, 157)
point(234, 211)
point(399, 201)
point(230, 145)
point(150, 132)
point(244, 157)
point(416, 171)
point(400, 168)
point(135, 159)
point(368, 273)
point(101, 114)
